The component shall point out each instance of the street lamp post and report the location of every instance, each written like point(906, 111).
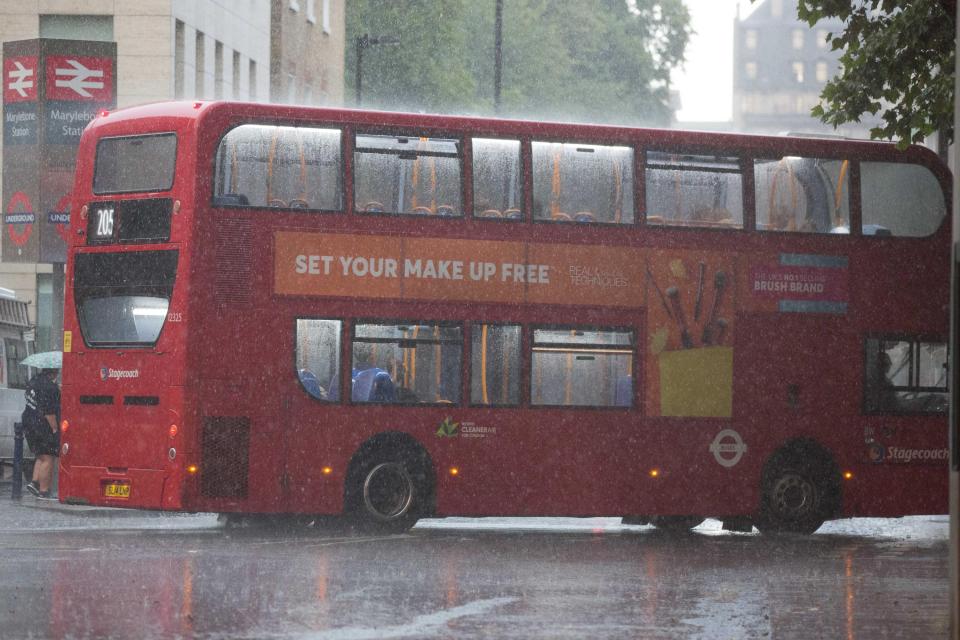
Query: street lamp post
point(363, 42)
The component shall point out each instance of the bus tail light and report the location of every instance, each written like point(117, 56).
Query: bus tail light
point(173, 431)
point(63, 426)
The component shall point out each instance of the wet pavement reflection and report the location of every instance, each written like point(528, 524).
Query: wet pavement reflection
point(477, 579)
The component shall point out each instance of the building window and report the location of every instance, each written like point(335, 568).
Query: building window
point(77, 27)
point(236, 75)
point(750, 39)
point(252, 89)
point(326, 16)
point(823, 39)
point(291, 88)
point(294, 5)
point(179, 63)
point(797, 37)
point(199, 59)
point(312, 11)
point(751, 70)
point(776, 8)
point(218, 70)
point(796, 68)
point(823, 72)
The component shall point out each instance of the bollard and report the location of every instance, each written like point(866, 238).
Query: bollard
point(17, 480)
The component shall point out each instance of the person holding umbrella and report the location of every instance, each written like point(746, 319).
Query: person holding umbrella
point(41, 419)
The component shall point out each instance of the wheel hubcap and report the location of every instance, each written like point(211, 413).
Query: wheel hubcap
point(388, 491)
point(794, 496)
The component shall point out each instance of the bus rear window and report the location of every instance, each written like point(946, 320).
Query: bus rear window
point(122, 298)
point(135, 164)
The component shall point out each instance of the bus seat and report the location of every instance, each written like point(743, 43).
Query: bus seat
point(231, 200)
point(374, 207)
point(623, 392)
point(423, 211)
point(583, 216)
point(513, 214)
point(277, 202)
point(560, 215)
point(491, 213)
point(299, 203)
point(372, 385)
point(311, 384)
point(446, 210)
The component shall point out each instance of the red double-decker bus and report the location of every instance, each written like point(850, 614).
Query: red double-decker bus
point(275, 309)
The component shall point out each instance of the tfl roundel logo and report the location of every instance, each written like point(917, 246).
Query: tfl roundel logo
point(104, 373)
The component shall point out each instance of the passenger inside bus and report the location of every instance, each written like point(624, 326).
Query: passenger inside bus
point(881, 395)
point(312, 384)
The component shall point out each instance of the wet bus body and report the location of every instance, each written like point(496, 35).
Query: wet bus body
point(275, 309)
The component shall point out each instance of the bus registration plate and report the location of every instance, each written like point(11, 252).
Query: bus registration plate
point(116, 490)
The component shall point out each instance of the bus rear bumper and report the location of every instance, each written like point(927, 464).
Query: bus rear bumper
point(126, 488)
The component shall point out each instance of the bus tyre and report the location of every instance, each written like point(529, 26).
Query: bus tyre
point(387, 495)
point(676, 524)
point(797, 495)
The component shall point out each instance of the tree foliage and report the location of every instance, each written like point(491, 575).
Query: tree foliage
point(591, 60)
point(897, 60)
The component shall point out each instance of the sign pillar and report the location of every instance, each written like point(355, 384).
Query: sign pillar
point(51, 89)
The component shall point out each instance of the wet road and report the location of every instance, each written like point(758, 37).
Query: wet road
point(78, 576)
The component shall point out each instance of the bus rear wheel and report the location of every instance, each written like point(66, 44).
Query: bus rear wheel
point(676, 524)
point(387, 494)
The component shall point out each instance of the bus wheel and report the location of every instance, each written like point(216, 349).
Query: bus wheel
point(797, 495)
point(676, 524)
point(386, 496)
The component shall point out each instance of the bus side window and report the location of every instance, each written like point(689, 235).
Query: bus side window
point(273, 166)
point(807, 195)
point(693, 191)
point(905, 376)
point(582, 368)
point(889, 190)
point(495, 364)
point(582, 183)
point(407, 174)
point(406, 363)
point(318, 357)
point(496, 178)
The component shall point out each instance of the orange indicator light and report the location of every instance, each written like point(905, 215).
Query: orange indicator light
point(173, 430)
point(654, 473)
point(454, 471)
point(327, 471)
point(63, 426)
point(848, 475)
point(192, 468)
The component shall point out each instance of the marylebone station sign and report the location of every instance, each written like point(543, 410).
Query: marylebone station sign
point(51, 90)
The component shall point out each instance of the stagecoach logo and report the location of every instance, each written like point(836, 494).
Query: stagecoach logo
point(118, 374)
point(728, 447)
point(902, 455)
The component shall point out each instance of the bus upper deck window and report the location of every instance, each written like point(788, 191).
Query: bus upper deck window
point(900, 199)
point(497, 192)
point(279, 167)
point(808, 195)
point(407, 174)
point(694, 190)
point(582, 183)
